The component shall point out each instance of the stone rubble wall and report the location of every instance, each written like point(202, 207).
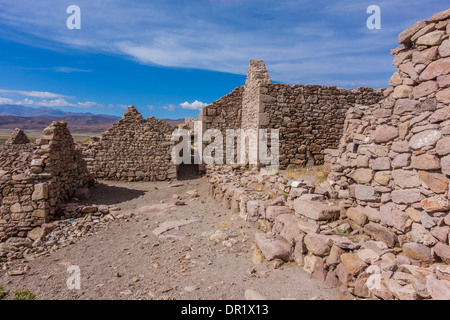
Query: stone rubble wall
point(36, 178)
point(392, 167)
point(298, 224)
point(133, 149)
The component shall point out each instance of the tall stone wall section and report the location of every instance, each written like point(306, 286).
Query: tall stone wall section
point(36, 178)
point(392, 166)
point(133, 149)
point(257, 79)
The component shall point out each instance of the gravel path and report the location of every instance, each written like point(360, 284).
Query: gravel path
point(126, 260)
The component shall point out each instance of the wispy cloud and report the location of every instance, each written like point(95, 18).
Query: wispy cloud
point(49, 99)
point(57, 69)
point(300, 41)
point(169, 107)
point(36, 94)
point(9, 101)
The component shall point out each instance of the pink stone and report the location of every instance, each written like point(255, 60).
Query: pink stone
point(385, 133)
point(444, 97)
point(440, 15)
point(317, 244)
point(445, 165)
point(425, 162)
point(287, 226)
point(273, 212)
point(436, 69)
point(408, 196)
point(443, 252)
point(272, 248)
point(439, 290)
point(444, 48)
point(424, 89)
point(393, 217)
point(424, 56)
point(418, 251)
point(425, 138)
point(406, 106)
point(405, 35)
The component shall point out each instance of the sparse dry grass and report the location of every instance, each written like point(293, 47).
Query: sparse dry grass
point(299, 173)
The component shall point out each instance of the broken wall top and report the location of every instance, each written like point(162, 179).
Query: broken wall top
point(257, 73)
point(18, 137)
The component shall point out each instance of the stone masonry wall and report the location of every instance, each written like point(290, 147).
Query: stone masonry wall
point(133, 149)
point(36, 178)
point(310, 118)
point(392, 166)
point(225, 113)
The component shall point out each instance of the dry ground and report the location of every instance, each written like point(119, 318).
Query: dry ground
point(35, 134)
point(125, 260)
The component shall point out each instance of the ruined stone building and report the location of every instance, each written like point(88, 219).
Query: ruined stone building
point(387, 153)
point(133, 149)
point(310, 118)
point(379, 226)
point(36, 177)
point(393, 160)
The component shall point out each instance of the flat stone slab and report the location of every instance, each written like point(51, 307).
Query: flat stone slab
point(168, 225)
point(273, 248)
point(157, 209)
point(315, 210)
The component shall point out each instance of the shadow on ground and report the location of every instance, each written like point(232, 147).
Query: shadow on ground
point(110, 195)
point(187, 172)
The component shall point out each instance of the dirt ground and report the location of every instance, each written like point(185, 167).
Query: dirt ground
point(125, 260)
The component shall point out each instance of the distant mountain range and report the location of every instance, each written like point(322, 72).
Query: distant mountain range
point(21, 111)
point(26, 118)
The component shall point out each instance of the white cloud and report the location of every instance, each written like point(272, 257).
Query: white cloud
point(57, 69)
point(54, 103)
point(9, 101)
point(196, 105)
point(59, 102)
point(35, 94)
point(89, 104)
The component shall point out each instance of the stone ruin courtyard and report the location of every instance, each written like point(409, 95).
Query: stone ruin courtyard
point(360, 208)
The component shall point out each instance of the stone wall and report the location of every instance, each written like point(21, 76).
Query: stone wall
point(225, 113)
point(392, 166)
point(309, 118)
point(133, 149)
point(36, 178)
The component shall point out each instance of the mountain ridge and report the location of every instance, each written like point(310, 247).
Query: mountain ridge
point(12, 116)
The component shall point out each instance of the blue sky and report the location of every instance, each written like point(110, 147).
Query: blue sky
point(171, 57)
